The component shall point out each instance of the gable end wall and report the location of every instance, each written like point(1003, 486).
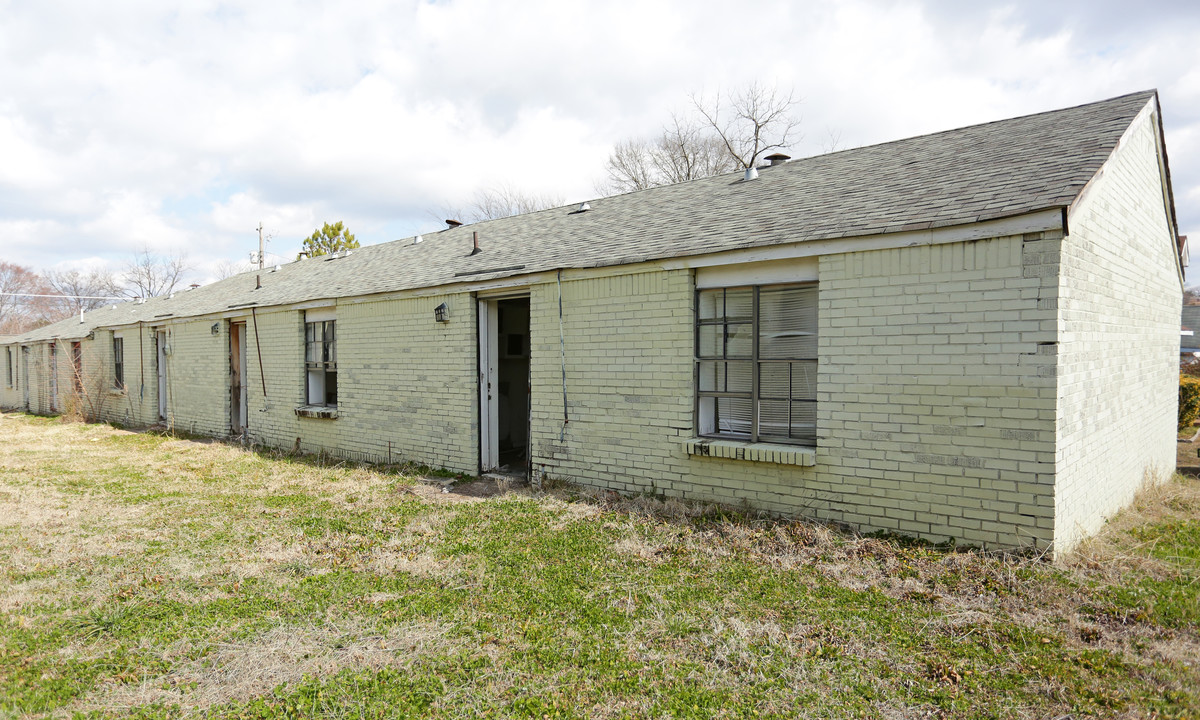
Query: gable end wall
point(1118, 354)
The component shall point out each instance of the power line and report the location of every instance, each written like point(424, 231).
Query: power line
point(71, 297)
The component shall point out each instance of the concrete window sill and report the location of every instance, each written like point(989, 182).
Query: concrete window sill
point(116, 391)
point(314, 411)
point(754, 452)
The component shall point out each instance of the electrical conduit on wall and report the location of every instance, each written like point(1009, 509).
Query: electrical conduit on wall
point(562, 349)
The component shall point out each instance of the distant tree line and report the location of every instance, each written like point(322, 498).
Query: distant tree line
point(30, 299)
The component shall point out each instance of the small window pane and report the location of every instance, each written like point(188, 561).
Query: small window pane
point(732, 416)
point(804, 380)
point(316, 387)
point(727, 303)
point(773, 418)
point(725, 376)
point(710, 304)
point(787, 322)
point(331, 388)
point(804, 421)
point(720, 341)
point(739, 304)
point(783, 380)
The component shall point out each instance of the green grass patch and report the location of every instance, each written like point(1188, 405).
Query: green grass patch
point(158, 578)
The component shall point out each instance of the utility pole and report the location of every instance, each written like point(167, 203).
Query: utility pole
point(261, 252)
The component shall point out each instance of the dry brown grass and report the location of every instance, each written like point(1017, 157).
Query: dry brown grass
point(84, 545)
point(1112, 553)
point(208, 674)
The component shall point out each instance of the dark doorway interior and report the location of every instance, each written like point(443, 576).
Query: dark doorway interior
point(513, 379)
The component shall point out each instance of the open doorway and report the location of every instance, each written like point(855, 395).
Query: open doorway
point(504, 385)
point(237, 378)
point(77, 369)
point(53, 377)
point(25, 374)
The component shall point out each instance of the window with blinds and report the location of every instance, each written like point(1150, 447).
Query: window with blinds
point(756, 363)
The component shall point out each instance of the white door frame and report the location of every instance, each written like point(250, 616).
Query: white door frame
point(237, 376)
point(54, 377)
point(161, 369)
point(25, 373)
point(489, 403)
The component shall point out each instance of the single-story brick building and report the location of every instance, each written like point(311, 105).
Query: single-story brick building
point(971, 335)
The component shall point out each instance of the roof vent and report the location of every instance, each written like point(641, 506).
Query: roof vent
point(475, 239)
point(751, 173)
point(452, 224)
point(583, 207)
point(417, 240)
point(193, 286)
point(777, 159)
point(277, 268)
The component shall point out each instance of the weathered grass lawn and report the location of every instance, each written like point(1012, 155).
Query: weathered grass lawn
point(153, 577)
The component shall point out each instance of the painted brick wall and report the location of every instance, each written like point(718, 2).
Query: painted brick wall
point(406, 384)
point(628, 344)
point(936, 404)
point(936, 410)
point(137, 404)
point(406, 379)
point(197, 367)
point(12, 397)
point(1118, 357)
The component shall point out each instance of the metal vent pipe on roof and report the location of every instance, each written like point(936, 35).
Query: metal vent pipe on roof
point(475, 240)
point(777, 159)
point(751, 173)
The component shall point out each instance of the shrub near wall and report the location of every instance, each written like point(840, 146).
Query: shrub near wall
point(1189, 400)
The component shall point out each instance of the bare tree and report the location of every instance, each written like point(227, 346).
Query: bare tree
point(80, 290)
point(832, 142)
point(726, 133)
point(149, 275)
point(501, 201)
point(630, 167)
point(19, 311)
point(498, 201)
point(229, 268)
point(751, 122)
point(684, 151)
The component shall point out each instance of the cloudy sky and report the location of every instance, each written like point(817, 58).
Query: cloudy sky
point(179, 126)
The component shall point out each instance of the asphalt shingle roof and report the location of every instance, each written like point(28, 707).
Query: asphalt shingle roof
point(982, 172)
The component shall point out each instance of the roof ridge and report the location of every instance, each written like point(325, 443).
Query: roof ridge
point(968, 174)
point(1147, 93)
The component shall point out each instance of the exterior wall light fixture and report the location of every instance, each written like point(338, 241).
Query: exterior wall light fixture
point(216, 328)
point(441, 313)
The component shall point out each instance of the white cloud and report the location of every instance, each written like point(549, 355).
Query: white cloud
point(180, 126)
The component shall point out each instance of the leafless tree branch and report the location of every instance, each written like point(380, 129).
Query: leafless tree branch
point(720, 134)
point(149, 275)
